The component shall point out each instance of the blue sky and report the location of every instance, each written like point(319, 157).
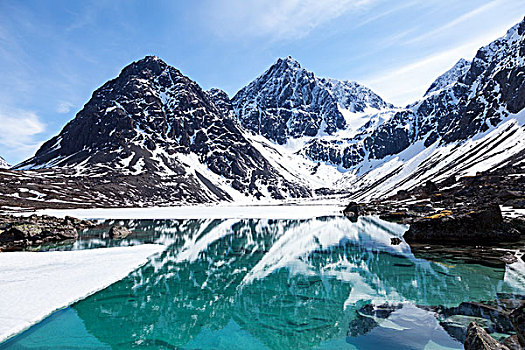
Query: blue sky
point(54, 54)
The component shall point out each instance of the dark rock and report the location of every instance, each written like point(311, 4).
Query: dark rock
point(449, 181)
point(484, 225)
point(396, 216)
point(18, 233)
point(395, 241)
point(457, 325)
point(517, 317)
point(421, 207)
point(118, 232)
point(352, 211)
point(26, 230)
point(517, 223)
point(478, 339)
point(512, 343)
point(430, 187)
point(497, 314)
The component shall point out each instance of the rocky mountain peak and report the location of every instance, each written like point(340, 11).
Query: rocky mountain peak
point(288, 62)
point(154, 122)
point(288, 101)
point(4, 164)
point(149, 65)
point(449, 77)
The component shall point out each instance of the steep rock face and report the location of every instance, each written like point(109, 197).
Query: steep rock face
point(490, 88)
point(450, 77)
point(221, 100)
point(4, 164)
point(468, 99)
point(153, 120)
point(287, 102)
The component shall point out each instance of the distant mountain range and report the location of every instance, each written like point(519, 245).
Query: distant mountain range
point(154, 136)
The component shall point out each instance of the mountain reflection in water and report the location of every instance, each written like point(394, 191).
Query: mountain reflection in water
point(268, 284)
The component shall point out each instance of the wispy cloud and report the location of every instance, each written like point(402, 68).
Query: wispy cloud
point(277, 19)
point(406, 83)
point(455, 22)
point(382, 14)
point(18, 134)
point(64, 107)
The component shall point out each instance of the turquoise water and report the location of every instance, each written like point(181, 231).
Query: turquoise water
point(269, 284)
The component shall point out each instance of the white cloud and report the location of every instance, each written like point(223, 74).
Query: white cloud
point(17, 136)
point(64, 107)
point(277, 19)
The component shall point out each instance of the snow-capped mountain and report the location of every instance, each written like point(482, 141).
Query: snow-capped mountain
point(471, 119)
point(153, 121)
point(154, 135)
point(4, 164)
point(288, 102)
point(469, 99)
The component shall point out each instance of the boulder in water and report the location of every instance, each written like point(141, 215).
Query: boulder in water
point(118, 232)
point(478, 339)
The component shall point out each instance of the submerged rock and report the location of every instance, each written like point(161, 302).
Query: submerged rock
point(478, 339)
point(118, 232)
point(512, 343)
point(368, 317)
point(517, 317)
point(457, 325)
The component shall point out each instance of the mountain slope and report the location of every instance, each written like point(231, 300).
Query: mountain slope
point(469, 99)
point(152, 120)
point(472, 122)
point(4, 164)
point(153, 136)
point(288, 102)
point(449, 77)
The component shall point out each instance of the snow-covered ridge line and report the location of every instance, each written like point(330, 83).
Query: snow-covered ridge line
point(289, 134)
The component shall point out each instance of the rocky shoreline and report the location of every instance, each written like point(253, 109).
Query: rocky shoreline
point(18, 233)
point(464, 210)
point(462, 219)
point(471, 323)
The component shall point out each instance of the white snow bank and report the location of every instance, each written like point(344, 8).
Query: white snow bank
point(34, 285)
point(201, 212)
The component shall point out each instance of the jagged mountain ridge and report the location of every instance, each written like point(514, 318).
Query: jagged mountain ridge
point(4, 164)
point(288, 102)
point(449, 77)
point(376, 153)
point(151, 119)
point(469, 99)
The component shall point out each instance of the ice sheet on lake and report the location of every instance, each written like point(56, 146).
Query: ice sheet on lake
point(34, 284)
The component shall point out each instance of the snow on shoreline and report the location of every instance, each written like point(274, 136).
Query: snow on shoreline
point(297, 211)
point(33, 285)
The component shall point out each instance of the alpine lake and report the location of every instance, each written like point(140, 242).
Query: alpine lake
point(320, 283)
